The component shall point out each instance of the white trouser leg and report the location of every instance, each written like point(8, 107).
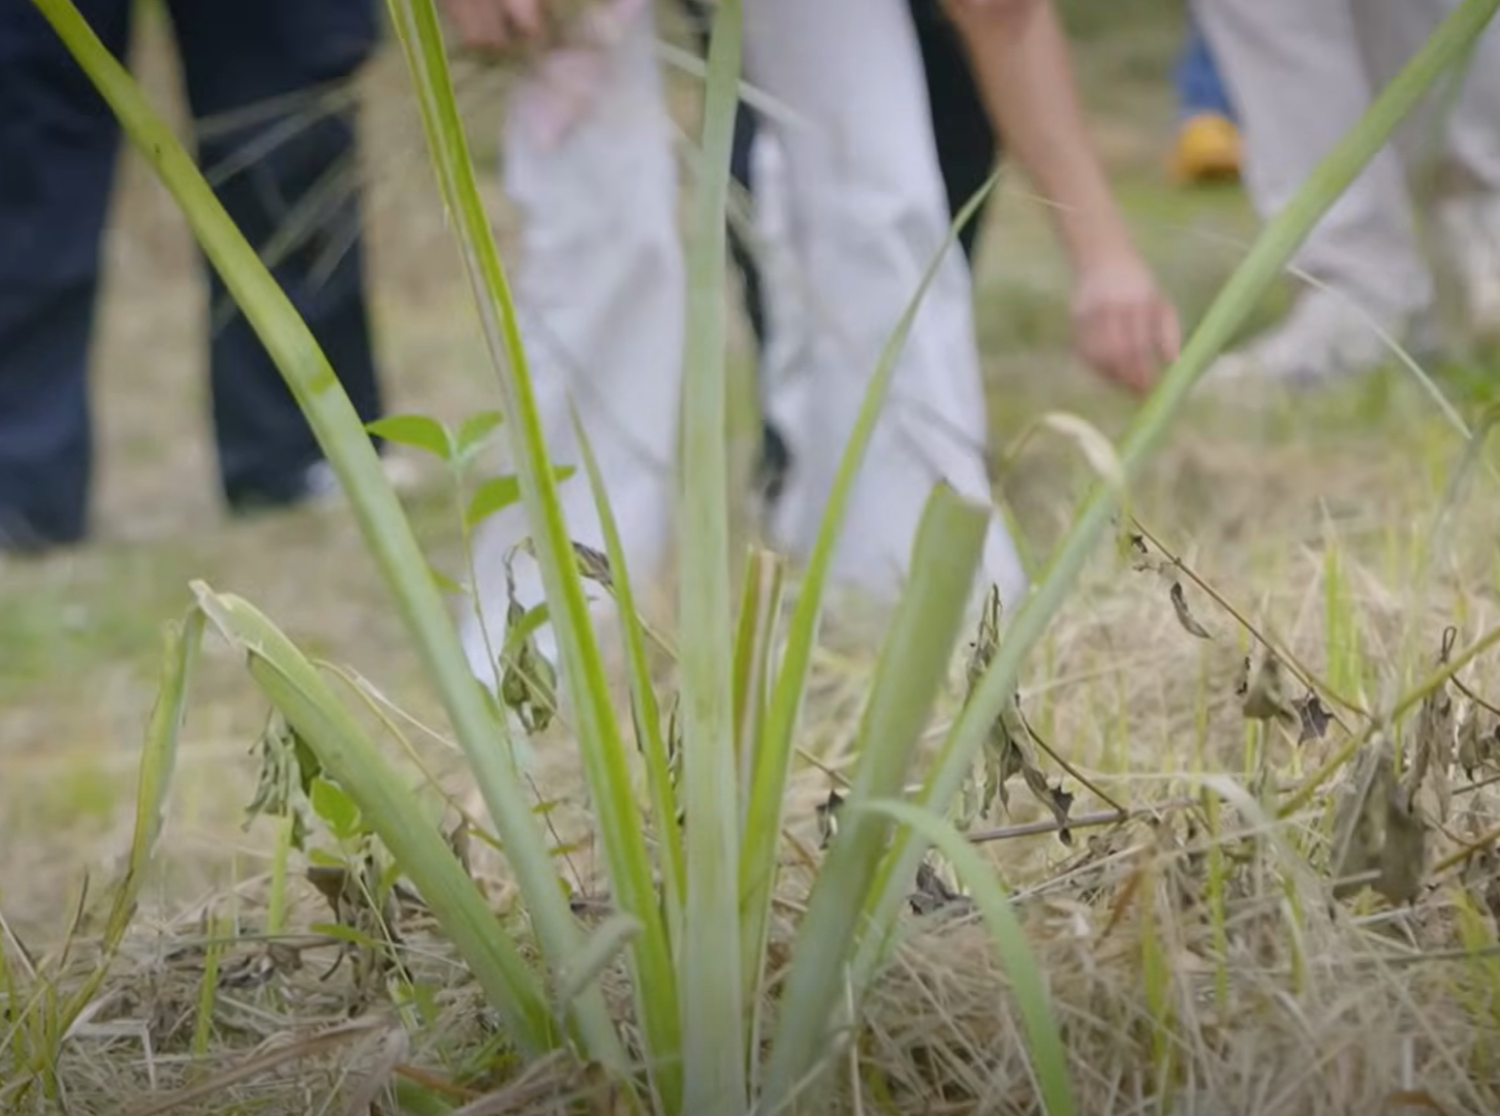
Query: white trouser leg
point(1458, 131)
point(1473, 130)
point(869, 213)
point(600, 288)
point(1297, 76)
point(1468, 139)
point(1468, 216)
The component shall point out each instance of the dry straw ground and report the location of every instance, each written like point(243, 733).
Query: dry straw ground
point(1199, 958)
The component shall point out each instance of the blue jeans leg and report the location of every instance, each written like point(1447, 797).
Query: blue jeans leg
point(306, 185)
point(58, 142)
point(1200, 90)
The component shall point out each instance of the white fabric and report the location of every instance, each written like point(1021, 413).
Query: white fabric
point(1301, 73)
point(600, 282)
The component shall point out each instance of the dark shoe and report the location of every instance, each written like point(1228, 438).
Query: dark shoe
point(19, 535)
point(318, 485)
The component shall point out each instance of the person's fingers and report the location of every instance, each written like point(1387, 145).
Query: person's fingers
point(1168, 332)
point(1086, 338)
point(1122, 341)
point(492, 26)
point(1125, 329)
point(525, 17)
point(480, 24)
point(1144, 353)
point(1100, 339)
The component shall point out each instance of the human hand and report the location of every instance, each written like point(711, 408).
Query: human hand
point(495, 26)
point(1124, 328)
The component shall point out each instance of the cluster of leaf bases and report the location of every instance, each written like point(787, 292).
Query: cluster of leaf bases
point(361, 888)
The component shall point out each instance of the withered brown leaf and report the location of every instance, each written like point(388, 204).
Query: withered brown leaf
point(1266, 694)
point(1140, 557)
point(1478, 745)
point(1433, 747)
point(828, 818)
point(1001, 756)
point(1482, 876)
point(288, 767)
point(329, 882)
point(1009, 746)
point(1184, 615)
point(1380, 838)
point(458, 842)
point(1403, 856)
point(528, 685)
point(593, 565)
point(1314, 716)
point(1055, 799)
point(1359, 818)
point(932, 892)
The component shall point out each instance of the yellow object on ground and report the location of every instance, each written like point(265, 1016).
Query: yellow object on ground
point(1207, 150)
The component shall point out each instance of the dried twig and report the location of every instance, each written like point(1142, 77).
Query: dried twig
point(1083, 821)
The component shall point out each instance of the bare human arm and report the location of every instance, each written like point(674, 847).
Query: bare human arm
point(1123, 325)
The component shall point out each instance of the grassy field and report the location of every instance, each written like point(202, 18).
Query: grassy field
point(1326, 525)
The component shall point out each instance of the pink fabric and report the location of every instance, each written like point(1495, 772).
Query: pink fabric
point(558, 92)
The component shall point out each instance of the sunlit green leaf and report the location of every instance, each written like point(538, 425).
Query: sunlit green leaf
point(417, 431)
point(336, 808)
point(474, 432)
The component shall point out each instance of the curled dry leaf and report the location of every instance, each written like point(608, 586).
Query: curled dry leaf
point(1265, 695)
point(593, 565)
point(932, 892)
point(673, 745)
point(1138, 554)
point(1056, 799)
point(1433, 747)
point(1008, 747)
point(528, 685)
point(284, 783)
point(353, 898)
point(1184, 615)
point(1380, 837)
point(828, 818)
point(1478, 742)
point(1482, 877)
point(1403, 855)
point(458, 842)
point(1313, 715)
point(1359, 819)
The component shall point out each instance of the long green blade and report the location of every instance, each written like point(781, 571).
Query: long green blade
point(601, 743)
point(713, 1002)
point(911, 671)
point(1048, 1057)
point(773, 761)
point(644, 705)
